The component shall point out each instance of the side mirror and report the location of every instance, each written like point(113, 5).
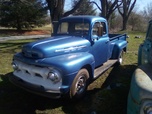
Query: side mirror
point(95, 38)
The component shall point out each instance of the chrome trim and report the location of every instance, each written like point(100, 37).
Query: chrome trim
point(71, 48)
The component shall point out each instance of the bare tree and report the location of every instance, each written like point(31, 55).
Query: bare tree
point(56, 8)
point(107, 7)
point(135, 21)
point(147, 12)
point(85, 8)
point(77, 5)
point(125, 11)
point(104, 9)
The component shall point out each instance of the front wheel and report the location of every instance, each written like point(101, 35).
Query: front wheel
point(79, 85)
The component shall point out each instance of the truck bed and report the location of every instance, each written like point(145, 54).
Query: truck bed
point(117, 36)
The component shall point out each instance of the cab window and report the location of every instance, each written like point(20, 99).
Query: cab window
point(63, 28)
point(96, 29)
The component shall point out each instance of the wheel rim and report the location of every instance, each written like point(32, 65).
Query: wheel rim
point(81, 84)
point(120, 60)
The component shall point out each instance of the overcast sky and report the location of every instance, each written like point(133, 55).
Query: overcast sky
point(140, 4)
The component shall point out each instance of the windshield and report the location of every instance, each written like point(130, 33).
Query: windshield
point(149, 34)
point(73, 28)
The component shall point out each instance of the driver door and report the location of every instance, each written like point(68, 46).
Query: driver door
point(100, 43)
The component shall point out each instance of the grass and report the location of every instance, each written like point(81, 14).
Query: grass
point(106, 95)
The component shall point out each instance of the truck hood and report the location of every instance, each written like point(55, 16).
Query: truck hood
point(55, 46)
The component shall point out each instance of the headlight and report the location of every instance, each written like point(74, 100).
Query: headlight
point(54, 75)
point(148, 109)
point(15, 66)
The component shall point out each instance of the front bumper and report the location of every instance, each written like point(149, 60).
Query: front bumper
point(37, 89)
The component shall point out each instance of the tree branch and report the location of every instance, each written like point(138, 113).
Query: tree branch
point(92, 2)
point(132, 6)
point(73, 10)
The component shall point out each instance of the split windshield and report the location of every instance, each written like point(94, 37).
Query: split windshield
point(73, 28)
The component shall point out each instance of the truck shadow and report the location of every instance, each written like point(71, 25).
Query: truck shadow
point(119, 76)
point(12, 47)
point(112, 93)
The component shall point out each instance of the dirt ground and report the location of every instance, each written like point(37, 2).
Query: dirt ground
point(23, 32)
point(37, 32)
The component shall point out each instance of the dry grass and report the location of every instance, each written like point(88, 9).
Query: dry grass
point(47, 29)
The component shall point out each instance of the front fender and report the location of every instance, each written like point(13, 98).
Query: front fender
point(140, 89)
point(70, 63)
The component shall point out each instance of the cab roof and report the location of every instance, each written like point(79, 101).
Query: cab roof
point(85, 18)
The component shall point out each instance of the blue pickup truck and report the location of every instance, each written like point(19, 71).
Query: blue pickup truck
point(140, 94)
point(79, 51)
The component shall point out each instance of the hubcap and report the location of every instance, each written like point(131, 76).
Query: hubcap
point(120, 60)
point(80, 86)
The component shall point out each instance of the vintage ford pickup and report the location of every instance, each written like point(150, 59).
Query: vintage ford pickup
point(79, 51)
point(140, 95)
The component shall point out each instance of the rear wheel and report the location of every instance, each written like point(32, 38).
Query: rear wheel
point(79, 85)
point(120, 59)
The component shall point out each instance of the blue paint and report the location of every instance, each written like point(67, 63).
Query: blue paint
point(140, 94)
point(72, 48)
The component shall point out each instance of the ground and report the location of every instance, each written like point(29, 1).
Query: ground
point(23, 32)
point(45, 30)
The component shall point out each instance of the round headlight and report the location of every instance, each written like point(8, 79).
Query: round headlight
point(146, 106)
point(148, 110)
point(54, 76)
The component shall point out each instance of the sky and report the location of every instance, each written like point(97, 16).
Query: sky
point(140, 4)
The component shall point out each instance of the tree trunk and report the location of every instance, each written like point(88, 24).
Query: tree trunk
point(125, 11)
point(19, 28)
point(103, 5)
point(56, 9)
point(124, 26)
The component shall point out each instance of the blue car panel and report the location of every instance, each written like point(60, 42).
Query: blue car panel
point(66, 62)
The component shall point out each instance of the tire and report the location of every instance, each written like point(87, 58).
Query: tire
point(79, 85)
point(120, 59)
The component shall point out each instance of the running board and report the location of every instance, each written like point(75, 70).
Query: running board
point(99, 70)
